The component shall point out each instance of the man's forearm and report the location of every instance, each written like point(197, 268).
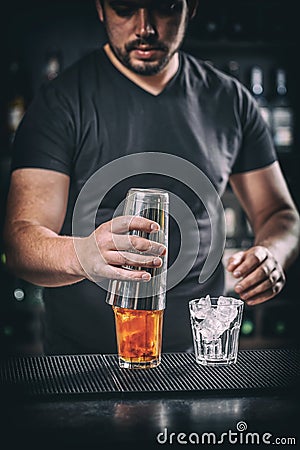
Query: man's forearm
point(281, 235)
point(42, 257)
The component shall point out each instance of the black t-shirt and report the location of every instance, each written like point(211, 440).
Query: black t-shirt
point(91, 116)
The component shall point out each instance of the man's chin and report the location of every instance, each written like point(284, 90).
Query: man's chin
point(146, 68)
point(141, 66)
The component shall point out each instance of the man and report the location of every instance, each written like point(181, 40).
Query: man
point(140, 94)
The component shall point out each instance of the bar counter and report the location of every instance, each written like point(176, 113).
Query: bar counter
point(87, 402)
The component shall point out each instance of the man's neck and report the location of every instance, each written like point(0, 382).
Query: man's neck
point(154, 84)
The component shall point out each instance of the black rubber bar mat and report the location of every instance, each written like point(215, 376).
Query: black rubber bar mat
point(178, 372)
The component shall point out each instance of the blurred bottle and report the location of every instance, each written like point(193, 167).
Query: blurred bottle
point(248, 235)
point(248, 324)
point(21, 318)
point(208, 25)
point(280, 322)
point(17, 99)
point(257, 90)
point(52, 65)
point(282, 115)
point(233, 69)
point(231, 227)
point(212, 28)
point(241, 23)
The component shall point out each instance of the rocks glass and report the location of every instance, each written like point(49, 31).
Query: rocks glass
point(216, 326)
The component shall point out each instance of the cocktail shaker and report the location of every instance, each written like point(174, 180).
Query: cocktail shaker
point(139, 306)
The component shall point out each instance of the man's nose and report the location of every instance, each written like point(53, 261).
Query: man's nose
point(144, 24)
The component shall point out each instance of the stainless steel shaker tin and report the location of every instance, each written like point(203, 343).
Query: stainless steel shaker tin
point(152, 204)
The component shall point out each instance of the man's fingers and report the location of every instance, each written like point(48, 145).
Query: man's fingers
point(113, 248)
point(137, 244)
point(123, 224)
point(260, 274)
point(250, 288)
point(251, 260)
point(133, 259)
point(263, 296)
point(118, 273)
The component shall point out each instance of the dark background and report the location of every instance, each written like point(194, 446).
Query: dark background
point(247, 32)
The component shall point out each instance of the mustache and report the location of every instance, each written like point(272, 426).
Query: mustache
point(153, 43)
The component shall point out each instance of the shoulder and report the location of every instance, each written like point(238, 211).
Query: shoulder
point(74, 85)
point(195, 69)
point(82, 72)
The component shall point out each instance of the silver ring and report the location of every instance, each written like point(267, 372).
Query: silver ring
point(271, 278)
point(275, 289)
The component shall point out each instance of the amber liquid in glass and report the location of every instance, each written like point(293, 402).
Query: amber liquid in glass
point(139, 337)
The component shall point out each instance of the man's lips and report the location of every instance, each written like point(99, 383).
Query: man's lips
point(145, 52)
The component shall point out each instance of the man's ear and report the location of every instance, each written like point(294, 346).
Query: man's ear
point(192, 5)
point(99, 10)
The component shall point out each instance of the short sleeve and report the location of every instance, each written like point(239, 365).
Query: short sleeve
point(257, 148)
point(46, 135)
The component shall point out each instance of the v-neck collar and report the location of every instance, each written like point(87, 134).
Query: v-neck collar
point(136, 85)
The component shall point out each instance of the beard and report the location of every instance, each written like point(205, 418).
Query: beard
point(143, 67)
point(146, 68)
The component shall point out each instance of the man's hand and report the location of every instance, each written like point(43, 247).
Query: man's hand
point(261, 277)
point(104, 252)
point(270, 209)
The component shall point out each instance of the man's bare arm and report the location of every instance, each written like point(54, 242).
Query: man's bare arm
point(36, 208)
point(267, 202)
point(35, 251)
